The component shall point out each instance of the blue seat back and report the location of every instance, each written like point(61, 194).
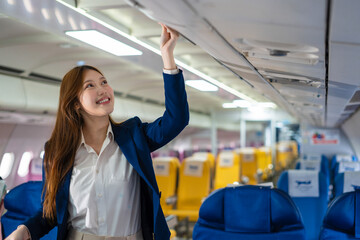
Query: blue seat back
point(341, 167)
point(346, 182)
point(342, 219)
point(324, 164)
point(312, 208)
point(340, 158)
point(21, 203)
point(248, 212)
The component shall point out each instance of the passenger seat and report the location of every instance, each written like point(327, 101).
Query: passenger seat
point(249, 213)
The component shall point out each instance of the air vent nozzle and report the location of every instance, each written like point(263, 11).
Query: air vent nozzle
point(277, 53)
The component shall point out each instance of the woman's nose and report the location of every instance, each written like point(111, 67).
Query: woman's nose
point(101, 91)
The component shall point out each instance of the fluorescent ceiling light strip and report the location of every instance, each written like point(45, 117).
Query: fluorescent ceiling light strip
point(157, 51)
point(214, 81)
point(104, 42)
point(242, 103)
point(229, 105)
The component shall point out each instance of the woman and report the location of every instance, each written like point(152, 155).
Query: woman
point(98, 175)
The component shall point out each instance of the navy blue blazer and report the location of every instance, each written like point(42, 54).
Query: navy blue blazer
point(136, 140)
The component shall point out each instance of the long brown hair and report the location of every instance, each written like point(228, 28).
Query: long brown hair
point(61, 148)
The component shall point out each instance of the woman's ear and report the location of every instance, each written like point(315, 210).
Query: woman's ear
point(77, 106)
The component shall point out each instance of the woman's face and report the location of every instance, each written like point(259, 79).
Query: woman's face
point(97, 97)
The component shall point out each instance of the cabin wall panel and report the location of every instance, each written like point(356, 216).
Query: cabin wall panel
point(24, 138)
point(344, 146)
point(352, 129)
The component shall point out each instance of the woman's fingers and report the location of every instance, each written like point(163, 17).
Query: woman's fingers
point(168, 31)
point(173, 32)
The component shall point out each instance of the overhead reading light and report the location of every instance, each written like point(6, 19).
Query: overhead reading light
point(202, 85)
point(104, 42)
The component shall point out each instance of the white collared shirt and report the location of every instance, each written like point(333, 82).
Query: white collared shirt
point(104, 194)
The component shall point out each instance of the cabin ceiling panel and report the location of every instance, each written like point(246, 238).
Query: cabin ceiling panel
point(291, 23)
point(345, 19)
point(283, 39)
point(99, 5)
point(137, 23)
point(344, 63)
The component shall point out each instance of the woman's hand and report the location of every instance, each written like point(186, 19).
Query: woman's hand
point(21, 233)
point(168, 40)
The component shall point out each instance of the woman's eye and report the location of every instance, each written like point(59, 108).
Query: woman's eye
point(88, 85)
point(104, 82)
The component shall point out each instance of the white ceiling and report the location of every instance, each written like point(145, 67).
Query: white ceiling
point(235, 42)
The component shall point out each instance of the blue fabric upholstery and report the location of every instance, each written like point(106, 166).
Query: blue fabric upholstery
point(334, 166)
point(339, 184)
point(324, 167)
point(340, 181)
point(342, 220)
point(21, 203)
point(312, 209)
point(249, 212)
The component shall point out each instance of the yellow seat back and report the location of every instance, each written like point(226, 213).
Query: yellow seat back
point(207, 157)
point(264, 161)
point(194, 184)
point(294, 147)
point(166, 170)
point(284, 155)
point(248, 164)
point(227, 169)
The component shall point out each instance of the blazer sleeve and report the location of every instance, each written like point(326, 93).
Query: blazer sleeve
point(37, 225)
point(175, 117)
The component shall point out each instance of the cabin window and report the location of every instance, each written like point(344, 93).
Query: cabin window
point(24, 164)
point(6, 165)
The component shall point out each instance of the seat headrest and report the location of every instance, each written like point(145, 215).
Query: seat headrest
point(349, 167)
point(312, 157)
point(201, 155)
point(343, 158)
point(351, 181)
point(249, 209)
point(161, 168)
point(314, 165)
point(24, 199)
point(248, 204)
point(226, 159)
point(194, 168)
point(343, 214)
point(303, 183)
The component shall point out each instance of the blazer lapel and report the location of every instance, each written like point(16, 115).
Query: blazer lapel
point(127, 145)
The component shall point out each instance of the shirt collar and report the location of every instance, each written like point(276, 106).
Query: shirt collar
point(109, 134)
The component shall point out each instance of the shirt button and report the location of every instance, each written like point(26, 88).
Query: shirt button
point(97, 170)
point(99, 195)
